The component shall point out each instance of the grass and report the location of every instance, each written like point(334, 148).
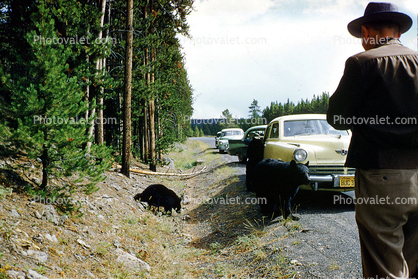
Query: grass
point(185, 155)
point(233, 246)
point(4, 192)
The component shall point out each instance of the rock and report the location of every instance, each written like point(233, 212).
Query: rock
point(13, 274)
point(131, 261)
point(116, 186)
point(101, 217)
point(186, 217)
point(32, 274)
point(37, 214)
point(295, 262)
point(38, 238)
point(90, 275)
point(168, 161)
point(117, 244)
point(82, 243)
point(26, 244)
point(40, 256)
point(14, 213)
point(50, 214)
point(186, 200)
point(51, 238)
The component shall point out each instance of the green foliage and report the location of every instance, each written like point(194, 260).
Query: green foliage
point(158, 70)
point(318, 104)
point(227, 120)
point(43, 118)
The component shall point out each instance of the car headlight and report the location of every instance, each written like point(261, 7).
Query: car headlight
point(300, 155)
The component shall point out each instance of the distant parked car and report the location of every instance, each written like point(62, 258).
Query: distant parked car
point(226, 135)
point(239, 147)
point(218, 135)
point(308, 137)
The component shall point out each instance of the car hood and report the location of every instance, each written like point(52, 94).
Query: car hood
point(323, 149)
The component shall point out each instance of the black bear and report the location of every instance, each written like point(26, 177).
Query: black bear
point(158, 195)
point(276, 184)
point(255, 152)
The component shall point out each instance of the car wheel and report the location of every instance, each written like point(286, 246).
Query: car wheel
point(242, 158)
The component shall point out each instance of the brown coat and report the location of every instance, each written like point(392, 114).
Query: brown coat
point(377, 99)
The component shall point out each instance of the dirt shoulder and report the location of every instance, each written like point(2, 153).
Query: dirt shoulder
point(219, 233)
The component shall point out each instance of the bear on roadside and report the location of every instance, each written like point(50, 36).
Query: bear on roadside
point(276, 184)
point(255, 152)
point(158, 195)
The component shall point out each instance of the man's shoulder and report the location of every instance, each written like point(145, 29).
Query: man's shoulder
point(390, 50)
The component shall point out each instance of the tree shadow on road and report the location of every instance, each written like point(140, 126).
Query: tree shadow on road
point(227, 214)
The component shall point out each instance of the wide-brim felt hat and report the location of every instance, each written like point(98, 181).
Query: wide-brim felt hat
point(380, 11)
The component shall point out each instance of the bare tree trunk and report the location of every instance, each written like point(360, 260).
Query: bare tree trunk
point(126, 149)
point(100, 115)
point(88, 113)
point(145, 136)
point(153, 155)
point(153, 165)
point(100, 64)
point(45, 162)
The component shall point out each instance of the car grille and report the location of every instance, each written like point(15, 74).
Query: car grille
point(331, 169)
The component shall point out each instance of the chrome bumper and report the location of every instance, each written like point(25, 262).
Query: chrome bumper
point(330, 178)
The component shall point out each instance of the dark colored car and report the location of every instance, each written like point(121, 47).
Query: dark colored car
point(239, 147)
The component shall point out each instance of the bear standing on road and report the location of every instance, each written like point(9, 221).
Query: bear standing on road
point(158, 195)
point(277, 183)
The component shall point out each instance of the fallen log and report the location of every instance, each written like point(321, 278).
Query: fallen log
point(164, 173)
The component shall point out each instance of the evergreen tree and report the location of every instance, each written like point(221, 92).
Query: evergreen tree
point(45, 114)
point(254, 109)
point(227, 120)
point(255, 118)
point(196, 131)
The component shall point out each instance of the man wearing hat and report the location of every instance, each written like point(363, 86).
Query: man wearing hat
point(377, 99)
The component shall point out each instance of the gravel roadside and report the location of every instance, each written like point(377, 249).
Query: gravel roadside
point(324, 243)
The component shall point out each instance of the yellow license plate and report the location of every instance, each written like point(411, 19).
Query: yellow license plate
point(347, 181)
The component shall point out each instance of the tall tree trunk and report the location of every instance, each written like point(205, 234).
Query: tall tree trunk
point(45, 162)
point(151, 106)
point(100, 115)
point(145, 135)
point(153, 163)
point(126, 152)
point(100, 64)
point(87, 99)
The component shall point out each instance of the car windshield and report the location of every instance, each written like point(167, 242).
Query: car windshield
point(231, 133)
point(255, 133)
point(310, 127)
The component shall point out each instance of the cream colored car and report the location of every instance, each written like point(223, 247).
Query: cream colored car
point(308, 137)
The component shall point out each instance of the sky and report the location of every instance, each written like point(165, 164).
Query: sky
point(271, 50)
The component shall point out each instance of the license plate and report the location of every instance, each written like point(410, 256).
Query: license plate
point(347, 181)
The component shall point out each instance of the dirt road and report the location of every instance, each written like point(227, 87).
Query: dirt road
point(326, 245)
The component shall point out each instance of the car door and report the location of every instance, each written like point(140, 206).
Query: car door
point(271, 139)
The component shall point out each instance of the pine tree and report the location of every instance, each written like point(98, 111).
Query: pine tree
point(46, 111)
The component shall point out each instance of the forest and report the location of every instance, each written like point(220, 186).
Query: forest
point(87, 84)
point(86, 81)
point(256, 116)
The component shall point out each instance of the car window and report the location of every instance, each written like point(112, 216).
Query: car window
point(274, 134)
point(255, 133)
point(267, 134)
point(310, 127)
